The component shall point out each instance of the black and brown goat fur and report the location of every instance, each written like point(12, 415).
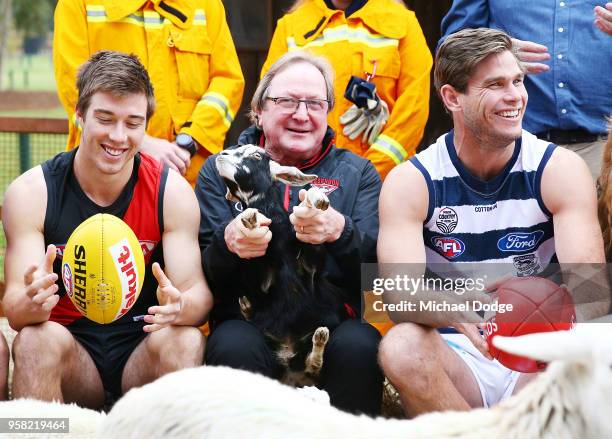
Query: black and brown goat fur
point(286, 294)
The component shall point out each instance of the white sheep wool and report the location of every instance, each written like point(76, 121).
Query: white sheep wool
point(571, 399)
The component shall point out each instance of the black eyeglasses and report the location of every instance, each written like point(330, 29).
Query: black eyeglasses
point(292, 104)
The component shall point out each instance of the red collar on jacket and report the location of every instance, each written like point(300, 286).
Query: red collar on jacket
point(328, 142)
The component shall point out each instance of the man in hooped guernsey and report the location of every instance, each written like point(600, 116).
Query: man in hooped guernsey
point(487, 191)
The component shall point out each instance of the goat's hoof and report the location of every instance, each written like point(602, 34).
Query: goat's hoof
point(316, 198)
point(245, 307)
point(249, 218)
point(320, 336)
point(314, 360)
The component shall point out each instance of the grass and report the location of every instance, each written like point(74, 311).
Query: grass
point(28, 72)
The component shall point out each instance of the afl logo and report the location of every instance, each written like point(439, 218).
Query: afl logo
point(447, 220)
point(67, 278)
point(450, 248)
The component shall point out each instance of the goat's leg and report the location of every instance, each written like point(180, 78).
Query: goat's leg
point(314, 360)
point(249, 218)
point(245, 307)
point(316, 198)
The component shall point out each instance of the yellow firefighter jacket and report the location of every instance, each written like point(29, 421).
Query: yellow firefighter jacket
point(383, 33)
point(187, 49)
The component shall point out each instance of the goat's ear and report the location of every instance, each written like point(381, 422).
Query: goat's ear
point(290, 174)
point(229, 196)
point(548, 346)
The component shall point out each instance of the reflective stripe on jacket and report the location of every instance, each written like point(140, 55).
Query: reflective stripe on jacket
point(384, 33)
point(187, 49)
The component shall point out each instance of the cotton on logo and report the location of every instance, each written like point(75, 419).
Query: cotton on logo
point(450, 248)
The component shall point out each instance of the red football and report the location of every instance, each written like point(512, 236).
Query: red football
point(537, 305)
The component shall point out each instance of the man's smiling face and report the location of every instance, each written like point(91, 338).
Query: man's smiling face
point(113, 129)
point(293, 137)
point(494, 103)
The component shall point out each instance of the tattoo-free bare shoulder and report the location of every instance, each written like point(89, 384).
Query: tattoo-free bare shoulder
point(566, 180)
point(405, 190)
point(180, 204)
point(25, 201)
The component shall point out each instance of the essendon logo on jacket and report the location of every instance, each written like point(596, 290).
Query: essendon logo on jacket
point(326, 185)
point(127, 271)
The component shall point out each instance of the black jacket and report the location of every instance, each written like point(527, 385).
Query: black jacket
point(353, 187)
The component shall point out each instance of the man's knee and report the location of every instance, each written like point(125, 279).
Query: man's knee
point(405, 351)
point(238, 344)
point(42, 345)
point(183, 345)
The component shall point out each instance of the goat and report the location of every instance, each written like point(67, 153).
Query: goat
point(287, 296)
point(571, 399)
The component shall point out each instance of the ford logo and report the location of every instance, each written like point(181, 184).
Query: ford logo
point(518, 242)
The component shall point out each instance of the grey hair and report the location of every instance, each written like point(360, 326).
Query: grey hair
point(285, 61)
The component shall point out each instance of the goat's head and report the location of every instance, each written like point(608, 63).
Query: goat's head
point(582, 359)
point(249, 172)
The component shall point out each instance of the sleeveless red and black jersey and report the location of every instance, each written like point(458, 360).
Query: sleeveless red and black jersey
point(140, 205)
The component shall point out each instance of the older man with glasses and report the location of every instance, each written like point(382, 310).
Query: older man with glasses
point(289, 111)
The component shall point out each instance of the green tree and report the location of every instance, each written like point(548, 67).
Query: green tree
point(33, 18)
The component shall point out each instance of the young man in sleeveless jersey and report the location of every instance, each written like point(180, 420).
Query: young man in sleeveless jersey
point(59, 354)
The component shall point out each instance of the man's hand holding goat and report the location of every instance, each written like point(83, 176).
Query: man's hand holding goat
point(314, 221)
point(248, 240)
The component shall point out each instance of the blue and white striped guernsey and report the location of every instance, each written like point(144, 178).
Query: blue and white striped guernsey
point(500, 220)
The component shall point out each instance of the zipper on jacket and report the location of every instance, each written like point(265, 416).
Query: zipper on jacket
point(287, 197)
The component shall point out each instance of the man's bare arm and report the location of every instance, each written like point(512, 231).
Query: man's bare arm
point(568, 191)
point(184, 295)
point(28, 270)
point(404, 202)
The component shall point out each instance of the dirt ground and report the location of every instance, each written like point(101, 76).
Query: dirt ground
point(28, 100)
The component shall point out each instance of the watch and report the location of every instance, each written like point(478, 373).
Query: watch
point(185, 141)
